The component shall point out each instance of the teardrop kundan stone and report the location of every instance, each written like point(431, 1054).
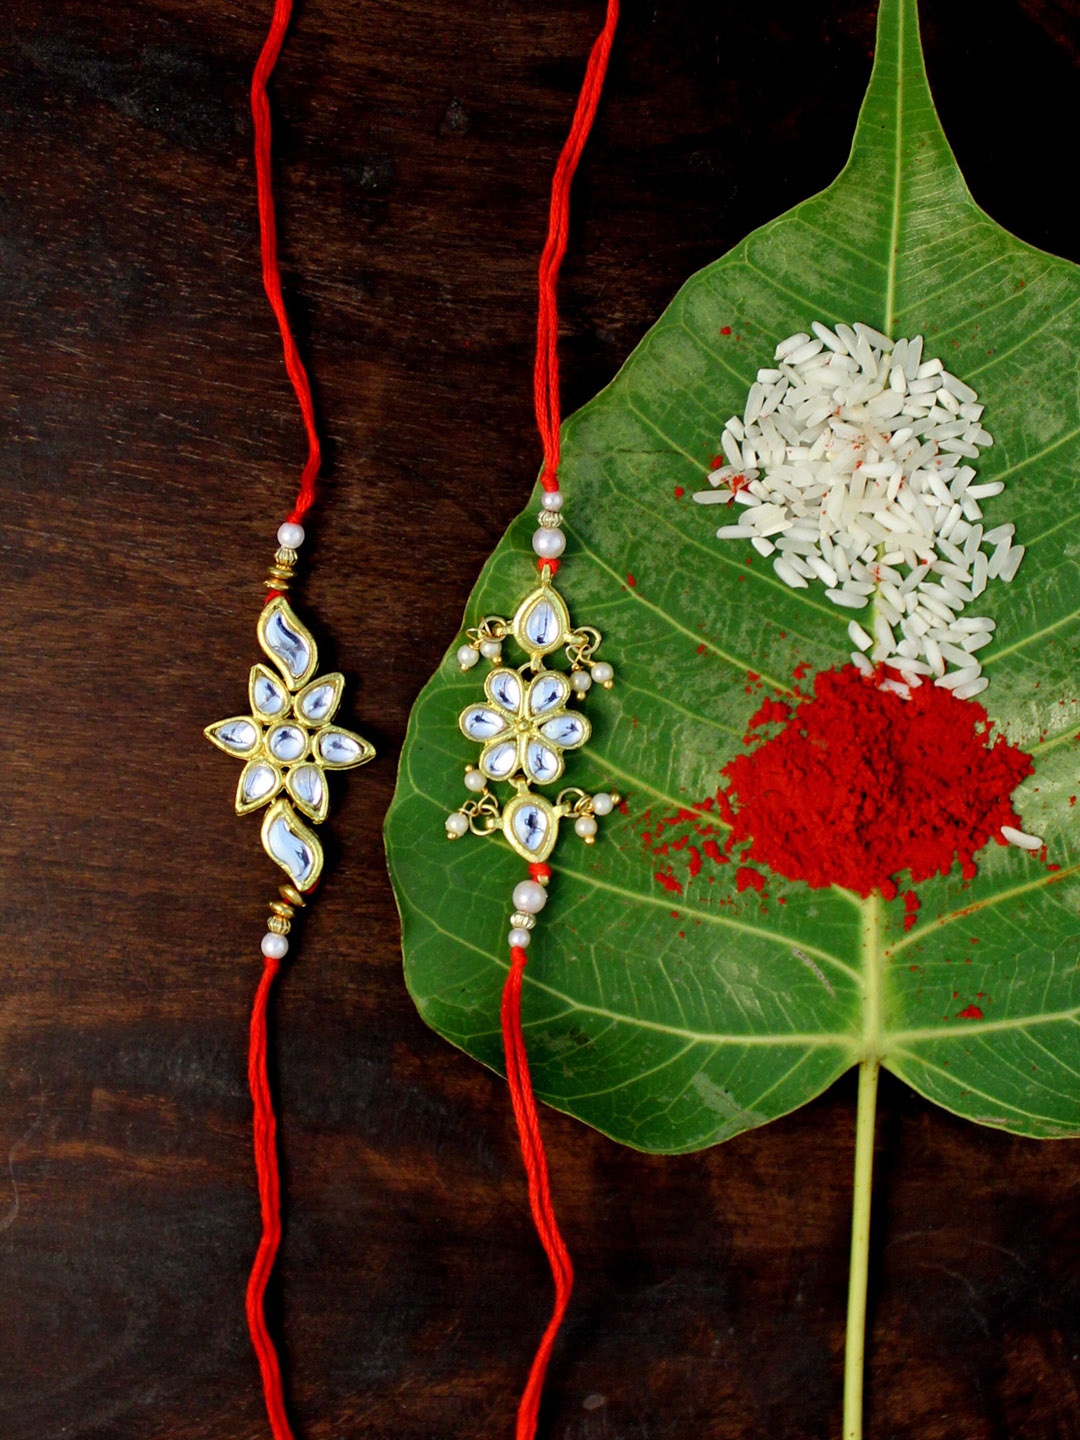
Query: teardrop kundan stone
point(287, 642)
point(531, 826)
point(296, 849)
point(542, 622)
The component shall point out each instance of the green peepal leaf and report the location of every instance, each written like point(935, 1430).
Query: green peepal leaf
point(662, 1004)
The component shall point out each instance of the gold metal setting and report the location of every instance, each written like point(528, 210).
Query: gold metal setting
point(525, 725)
point(281, 574)
point(288, 742)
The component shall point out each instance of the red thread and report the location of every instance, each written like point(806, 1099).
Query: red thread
point(532, 1152)
point(546, 372)
point(266, 1169)
point(265, 1124)
point(546, 395)
point(260, 111)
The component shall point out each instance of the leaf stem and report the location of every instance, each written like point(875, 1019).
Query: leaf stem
point(855, 1344)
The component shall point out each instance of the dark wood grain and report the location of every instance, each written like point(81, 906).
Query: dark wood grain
point(150, 446)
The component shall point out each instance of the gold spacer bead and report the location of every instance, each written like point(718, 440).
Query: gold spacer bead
point(282, 908)
point(292, 895)
point(277, 926)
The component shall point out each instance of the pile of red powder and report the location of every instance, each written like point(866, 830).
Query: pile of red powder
point(862, 784)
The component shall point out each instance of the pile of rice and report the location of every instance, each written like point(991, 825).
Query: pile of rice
point(850, 468)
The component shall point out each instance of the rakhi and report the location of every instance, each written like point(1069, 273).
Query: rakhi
point(525, 722)
point(288, 743)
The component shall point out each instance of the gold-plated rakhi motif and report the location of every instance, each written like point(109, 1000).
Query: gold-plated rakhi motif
point(525, 726)
point(288, 741)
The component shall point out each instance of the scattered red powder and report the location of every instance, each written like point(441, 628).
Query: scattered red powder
point(771, 712)
point(631, 581)
point(668, 881)
point(725, 329)
point(679, 492)
point(695, 862)
point(971, 1013)
point(748, 879)
point(911, 910)
point(713, 851)
point(861, 784)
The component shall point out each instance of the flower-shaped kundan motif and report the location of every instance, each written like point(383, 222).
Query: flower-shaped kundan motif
point(525, 726)
point(288, 741)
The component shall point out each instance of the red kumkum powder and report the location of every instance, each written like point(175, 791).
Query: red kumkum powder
point(861, 784)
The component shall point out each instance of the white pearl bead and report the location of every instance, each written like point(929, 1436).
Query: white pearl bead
point(602, 673)
point(602, 804)
point(467, 656)
point(580, 681)
point(519, 938)
point(274, 947)
point(529, 896)
point(585, 825)
point(456, 824)
point(491, 650)
point(549, 544)
point(552, 500)
point(474, 780)
point(290, 535)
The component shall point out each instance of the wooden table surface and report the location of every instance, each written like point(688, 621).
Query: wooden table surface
point(150, 447)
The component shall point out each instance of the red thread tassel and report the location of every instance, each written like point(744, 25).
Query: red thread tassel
point(266, 1169)
point(532, 1152)
point(260, 112)
point(546, 371)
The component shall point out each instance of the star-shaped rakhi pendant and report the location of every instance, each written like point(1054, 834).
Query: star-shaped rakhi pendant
point(289, 743)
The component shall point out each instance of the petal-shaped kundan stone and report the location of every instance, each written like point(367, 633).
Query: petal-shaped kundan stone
point(480, 723)
point(288, 643)
point(296, 849)
point(307, 786)
point(318, 702)
point(260, 780)
point(269, 697)
point(286, 742)
point(341, 749)
point(504, 688)
point(542, 622)
point(547, 692)
point(531, 826)
point(237, 736)
point(568, 731)
point(541, 764)
point(500, 760)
